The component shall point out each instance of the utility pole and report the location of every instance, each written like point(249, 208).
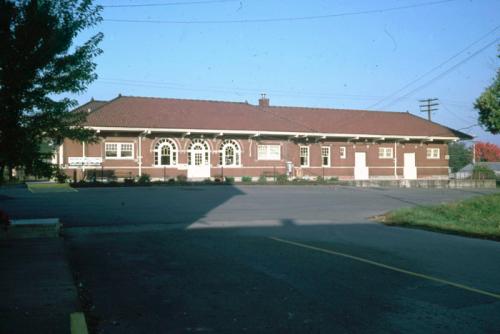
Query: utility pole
point(428, 106)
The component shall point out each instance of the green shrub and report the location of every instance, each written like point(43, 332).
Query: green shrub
point(207, 181)
point(129, 181)
point(246, 179)
point(229, 179)
point(60, 175)
point(282, 179)
point(144, 178)
point(482, 172)
point(262, 178)
point(181, 178)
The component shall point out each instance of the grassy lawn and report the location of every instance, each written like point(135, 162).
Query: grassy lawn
point(49, 187)
point(477, 217)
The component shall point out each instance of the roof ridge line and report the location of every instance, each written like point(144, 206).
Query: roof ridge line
point(182, 99)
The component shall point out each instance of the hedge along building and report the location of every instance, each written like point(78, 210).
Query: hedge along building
point(200, 139)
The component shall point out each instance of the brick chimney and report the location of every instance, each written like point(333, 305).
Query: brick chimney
point(263, 101)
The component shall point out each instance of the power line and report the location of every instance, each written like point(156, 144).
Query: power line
point(439, 76)
point(436, 67)
point(168, 4)
point(235, 90)
point(453, 113)
point(287, 19)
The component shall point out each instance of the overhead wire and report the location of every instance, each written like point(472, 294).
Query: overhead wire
point(236, 90)
point(482, 37)
point(442, 74)
point(165, 4)
point(286, 19)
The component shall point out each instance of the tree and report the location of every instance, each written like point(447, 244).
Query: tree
point(488, 105)
point(38, 64)
point(460, 156)
point(487, 152)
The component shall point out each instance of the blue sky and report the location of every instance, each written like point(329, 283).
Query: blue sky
point(347, 61)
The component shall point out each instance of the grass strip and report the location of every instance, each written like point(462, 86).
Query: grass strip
point(49, 187)
point(476, 217)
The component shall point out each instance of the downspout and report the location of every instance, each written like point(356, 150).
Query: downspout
point(61, 154)
point(395, 160)
point(139, 155)
point(83, 155)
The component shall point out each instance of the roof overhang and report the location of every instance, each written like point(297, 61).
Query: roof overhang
point(351, 136)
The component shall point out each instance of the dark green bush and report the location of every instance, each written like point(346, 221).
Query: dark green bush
point(144, 178)
point(262, 179)
point(246, 179)
point(482, 172)
point(229, 179)
point(282, 179)
point(60, 175)
point(128, 181)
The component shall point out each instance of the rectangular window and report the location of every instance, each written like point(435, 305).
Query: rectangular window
point(325, 156)
point(385, 153)
point(304, 156)
point(111, 150)
point(269, 152)
point(343, 152)
point(433, 153)
point(119, 150)
point(126, 150)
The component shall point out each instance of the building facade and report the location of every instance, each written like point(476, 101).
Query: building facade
point(167, 138)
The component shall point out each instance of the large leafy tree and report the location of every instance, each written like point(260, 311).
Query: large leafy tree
point(488, 105)
point(460, 156)
point(38, 65)
point(487, 152)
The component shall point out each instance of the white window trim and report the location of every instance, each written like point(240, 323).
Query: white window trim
point(382, 153)
point(343, 152)
point(432, 150)
point(329, 156)
point(237, 152)
point(174, 152)
point(119, 151)
point(267, 156)
point(307, 157)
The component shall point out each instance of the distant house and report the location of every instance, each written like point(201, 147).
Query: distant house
point(199, 139)
point(466, 172)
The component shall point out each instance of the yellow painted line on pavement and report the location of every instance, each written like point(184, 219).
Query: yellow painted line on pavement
point(78, 323)
point(381, 265)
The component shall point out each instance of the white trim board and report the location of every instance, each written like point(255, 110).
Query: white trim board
point(352, 136)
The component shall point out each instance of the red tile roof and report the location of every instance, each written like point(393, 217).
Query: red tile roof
point(90, 106)
point(165, 113)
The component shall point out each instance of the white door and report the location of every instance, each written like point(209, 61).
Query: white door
point(360, 169)
point(410, 170)
point(198, 160)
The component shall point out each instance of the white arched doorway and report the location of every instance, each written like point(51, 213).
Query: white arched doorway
point(198, 159)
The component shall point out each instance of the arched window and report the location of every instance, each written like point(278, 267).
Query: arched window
point(229, 153)
point(166, 152)
point(198, 153)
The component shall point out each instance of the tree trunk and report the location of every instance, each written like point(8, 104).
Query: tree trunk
point(11, 172)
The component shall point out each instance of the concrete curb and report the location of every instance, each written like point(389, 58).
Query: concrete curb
point(31, 228)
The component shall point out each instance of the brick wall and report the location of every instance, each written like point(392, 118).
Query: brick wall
point(342, 168)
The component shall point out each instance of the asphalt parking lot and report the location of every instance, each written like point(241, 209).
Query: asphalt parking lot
point(286, 259)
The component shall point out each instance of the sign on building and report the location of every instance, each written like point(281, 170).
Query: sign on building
point(84, 161)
